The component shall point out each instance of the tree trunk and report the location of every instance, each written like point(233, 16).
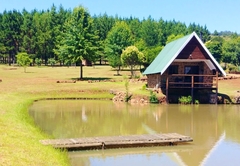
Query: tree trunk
point(132, 74)
point(81, 70)
point(118, 70)
point(100, 60)
point(9, 59)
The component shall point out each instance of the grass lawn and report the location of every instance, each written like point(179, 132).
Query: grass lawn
point(19, 139)
point(230, 87)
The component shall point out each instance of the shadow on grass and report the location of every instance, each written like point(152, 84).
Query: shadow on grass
point(92, 79)
point(29, 72)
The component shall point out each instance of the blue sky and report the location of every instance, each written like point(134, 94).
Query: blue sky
point(217, 15)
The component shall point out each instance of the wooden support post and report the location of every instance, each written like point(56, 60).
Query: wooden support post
point(216, 87)
point(167, 81)
point(103, 144)
point(192, 87)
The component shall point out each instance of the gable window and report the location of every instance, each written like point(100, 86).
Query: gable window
point(173, 69)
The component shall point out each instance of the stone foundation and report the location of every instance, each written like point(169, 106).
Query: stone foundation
point(154, 80)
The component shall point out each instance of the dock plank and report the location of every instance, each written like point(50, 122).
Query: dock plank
point(117, 141)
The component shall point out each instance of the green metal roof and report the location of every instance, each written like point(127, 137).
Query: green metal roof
point(166, 56)
point(171, 51)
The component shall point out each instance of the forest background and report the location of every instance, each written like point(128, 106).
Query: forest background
point(65, 37)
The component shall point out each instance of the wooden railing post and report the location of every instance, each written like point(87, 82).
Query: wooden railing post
point(216, 87)
point(167, 81)
point(192, 86)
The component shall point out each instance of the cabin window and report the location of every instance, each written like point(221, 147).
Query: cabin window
point(191, 70)
point(173, 69)
point(187, 70)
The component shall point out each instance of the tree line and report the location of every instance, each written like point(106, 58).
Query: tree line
point(226, 50)
point(69, 36)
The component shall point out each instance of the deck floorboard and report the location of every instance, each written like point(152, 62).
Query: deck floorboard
point(118, 141)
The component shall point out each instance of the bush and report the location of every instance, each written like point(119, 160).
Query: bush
point(144, 87)
point(52, 61)
point(185, 100)
point(196, 102)
point(23, 60)
point(232, 67)
point(153, 97)
point(38, 62)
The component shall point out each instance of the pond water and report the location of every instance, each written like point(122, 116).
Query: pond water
point(214, 129)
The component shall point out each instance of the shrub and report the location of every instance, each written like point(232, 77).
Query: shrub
point(153, 97)
point(185, 100)
point(52, 61)
point(196, 102)
point(232, 67)
point(23, 60)
point(144, 87)
point(38, 62)
point(136, 76)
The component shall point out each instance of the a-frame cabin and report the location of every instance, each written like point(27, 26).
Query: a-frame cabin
point(185, 67)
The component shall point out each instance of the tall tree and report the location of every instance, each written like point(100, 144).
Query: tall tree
point(215, 47)
point(54, 29)
point(118, 39)
point(179, 28)
point(28, 33)
point(61, 53)
point(135, 26)
point(174, 37)
point(3, 48)
point(150, 54)
point(103, 24)
point(238, 50)
point(230, 52)
point(57, 20)
point(11, 24)
point(150, 32)
point(80, 40)
point(202, 32)
point(43, 34)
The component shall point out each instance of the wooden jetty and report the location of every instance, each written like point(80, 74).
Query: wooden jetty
point(118, 141)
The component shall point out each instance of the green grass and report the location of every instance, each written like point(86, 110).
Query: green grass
point(19, 139)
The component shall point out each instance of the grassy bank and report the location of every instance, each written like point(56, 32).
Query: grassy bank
point(19, 139)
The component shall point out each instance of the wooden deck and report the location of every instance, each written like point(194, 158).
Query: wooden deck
point(118, 141)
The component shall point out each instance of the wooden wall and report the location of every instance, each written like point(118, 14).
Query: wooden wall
point(193, 50)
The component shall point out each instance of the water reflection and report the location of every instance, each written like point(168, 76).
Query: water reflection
point(213, 128)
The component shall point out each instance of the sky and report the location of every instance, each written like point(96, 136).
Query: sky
point(220, 15)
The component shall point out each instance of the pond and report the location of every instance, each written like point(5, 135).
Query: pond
point(214, 129)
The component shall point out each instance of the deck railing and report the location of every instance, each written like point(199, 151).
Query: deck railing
point(191, 81)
